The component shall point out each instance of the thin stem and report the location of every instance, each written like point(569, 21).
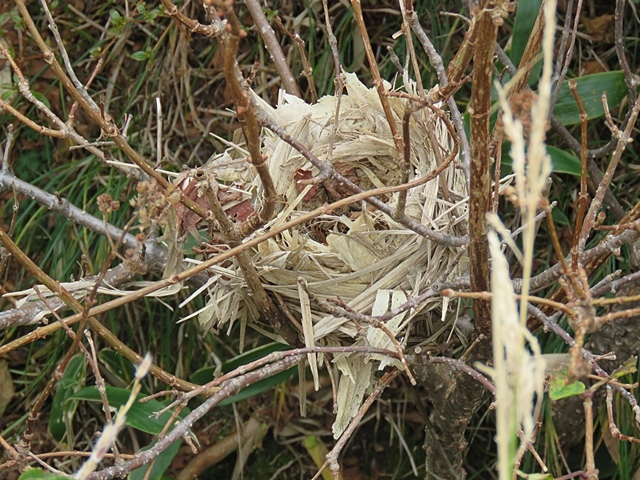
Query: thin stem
point(273, 47)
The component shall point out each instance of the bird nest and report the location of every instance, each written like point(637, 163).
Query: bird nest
point(364, 257)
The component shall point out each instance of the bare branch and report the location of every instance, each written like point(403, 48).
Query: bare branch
point(273, 47)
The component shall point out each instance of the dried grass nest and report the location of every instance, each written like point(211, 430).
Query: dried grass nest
point(359, 254)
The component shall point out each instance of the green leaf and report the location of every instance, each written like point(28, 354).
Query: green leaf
point(140, 55)
point(206, 374)
point(590, 89)
point(559, 217)
point(561, 161)
point(117, 365)
point(627, 368)
point(161, 464)
point(559, 389)
point(38, 474)
point(141, 416)
point(115, 15)
point(534, 476)
point(526, 15)
point(62, 408)
point(564, 162)
point(42, 98)
point(260, 387)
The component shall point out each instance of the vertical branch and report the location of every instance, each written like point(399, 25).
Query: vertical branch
point(339, 82)
point(247, 118)
point(589, 451)
point(307, 71)
point(273, 47)
point(406, 123)
point(377, 80)
point(632, 83)
point(480, 198)
point(583, 196)
point(436, 62)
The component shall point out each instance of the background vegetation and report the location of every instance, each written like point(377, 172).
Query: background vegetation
point(130, 54)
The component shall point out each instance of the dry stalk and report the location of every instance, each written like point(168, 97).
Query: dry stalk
point(271, 42)
point(583, 198)
point(104, 332)
point(377, 80)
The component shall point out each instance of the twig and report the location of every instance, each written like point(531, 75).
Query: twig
point(182, 276)
point(613, 428)
point(339, 83)
point(587, 399)
point(488, 296)
point(583, 197)
point(212, 386)
point(436, 62)
point(565, 60)
point(91, 320)
point(602, 250)
point(332, 456)
point(233, 237)
point(552, 325)
point(247, 118)
point(406, 30)
point(613, 284)
point(594, 171)
point(181, 429)
point(406, 167)
point(632, 84)
point(273, 47)
point(63, 207)
point(377, 80)
point(307, 71)
point(623, 139)
point(100, 117)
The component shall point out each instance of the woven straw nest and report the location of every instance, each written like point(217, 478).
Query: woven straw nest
point(358, 253)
